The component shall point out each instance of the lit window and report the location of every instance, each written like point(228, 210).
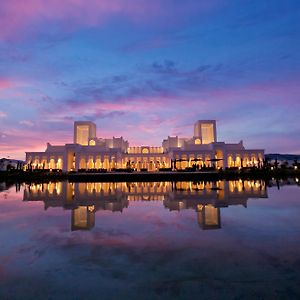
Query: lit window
point(197, 141)
point(82, 134)
point(207, 131)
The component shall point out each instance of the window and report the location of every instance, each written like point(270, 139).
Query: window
point(82, 134)
point(207, 131)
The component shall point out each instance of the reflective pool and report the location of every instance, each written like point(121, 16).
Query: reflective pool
point(153, 240)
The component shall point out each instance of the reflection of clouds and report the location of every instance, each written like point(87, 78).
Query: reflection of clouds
point(148, 250)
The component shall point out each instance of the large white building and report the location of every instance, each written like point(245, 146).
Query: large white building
point(88, 152)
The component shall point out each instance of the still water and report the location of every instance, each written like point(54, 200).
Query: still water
point(160, 240)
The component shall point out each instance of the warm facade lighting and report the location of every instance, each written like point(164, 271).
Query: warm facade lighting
point(90, 152)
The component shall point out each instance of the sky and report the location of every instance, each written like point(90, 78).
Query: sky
point(146, 70)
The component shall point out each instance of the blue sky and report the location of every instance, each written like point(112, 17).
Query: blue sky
point(148, 69)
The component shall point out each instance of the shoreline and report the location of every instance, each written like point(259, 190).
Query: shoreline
point(258, 174)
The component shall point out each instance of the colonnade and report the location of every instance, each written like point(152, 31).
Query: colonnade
point(244, 160)
point(94, 161)
point(45, 162)
point(151, 163)
point(188, 160)
point(111, 161)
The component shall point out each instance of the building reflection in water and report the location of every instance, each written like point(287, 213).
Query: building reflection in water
point(206, 198)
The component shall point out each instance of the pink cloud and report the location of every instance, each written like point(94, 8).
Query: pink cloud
point(17, 15)
point(3, 114)
point(5, 83)
point(275, 91)
point(28, 139)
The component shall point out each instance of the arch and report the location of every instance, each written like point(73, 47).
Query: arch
point(106, 162)
point(246, 160)
point(82, 163)
point(90, 164)
point(112, 162)
point(238, 161)
point(145, 150)
point(98, 162)
point(230, 161)
point(59, 163)
point(184, 163)
point(52, 163)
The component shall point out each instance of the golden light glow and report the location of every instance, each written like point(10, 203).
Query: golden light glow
point(207, 131)
point(82, 134)
point(211, 215)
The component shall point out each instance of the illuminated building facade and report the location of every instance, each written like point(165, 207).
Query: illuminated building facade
point(87, 152)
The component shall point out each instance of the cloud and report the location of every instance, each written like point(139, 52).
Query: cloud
point(5, 84)
point(19, 16)
point(26, 123)
point(3, 114)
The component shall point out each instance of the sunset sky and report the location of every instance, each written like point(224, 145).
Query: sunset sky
point(146, 69)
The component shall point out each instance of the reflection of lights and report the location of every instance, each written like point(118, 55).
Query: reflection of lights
point(181, 205)
point(200, 207)
point(91, 208)
point(58, 188)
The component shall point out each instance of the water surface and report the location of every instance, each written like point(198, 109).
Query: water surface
point(163, 240)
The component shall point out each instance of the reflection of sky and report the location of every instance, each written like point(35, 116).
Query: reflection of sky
point(151, 252)
point(149, 69)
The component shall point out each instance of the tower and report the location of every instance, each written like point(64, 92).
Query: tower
point(83, 132)
point(205, 132)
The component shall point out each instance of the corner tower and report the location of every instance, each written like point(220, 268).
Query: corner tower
point(205, 132)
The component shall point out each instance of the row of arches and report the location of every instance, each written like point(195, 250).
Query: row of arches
point(150, 163)
point(244, 160)
point(135, 162)
point(184, 161)
point(52, 162)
